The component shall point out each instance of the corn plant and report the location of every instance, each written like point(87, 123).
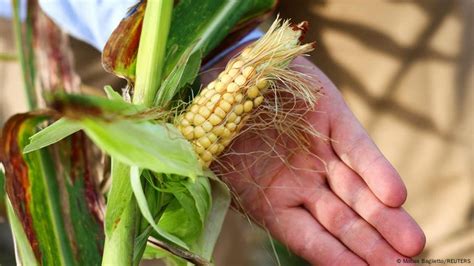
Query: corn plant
point(164, 201)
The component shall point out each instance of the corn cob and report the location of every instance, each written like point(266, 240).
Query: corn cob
point(218, 113)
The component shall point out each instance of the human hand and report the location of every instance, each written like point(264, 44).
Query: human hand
point(339, 205)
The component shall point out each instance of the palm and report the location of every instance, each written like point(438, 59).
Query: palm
point(339, 205)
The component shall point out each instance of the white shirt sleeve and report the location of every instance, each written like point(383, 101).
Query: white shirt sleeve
point(92, 21)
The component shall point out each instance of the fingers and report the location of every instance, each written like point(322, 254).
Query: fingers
point(359, 236)
point(356, 149)
point(351, 142)
point(308, 239)
point(394, 224)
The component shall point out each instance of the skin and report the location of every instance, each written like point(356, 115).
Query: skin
point(339, 205)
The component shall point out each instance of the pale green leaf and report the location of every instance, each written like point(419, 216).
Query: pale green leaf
point(52, 134)
point(119, 195)
point(112, 94)
point(200, 190)
point(158, 147)
point(212, 228)
point(143, 205)
point(120, 218)
point(179, 221)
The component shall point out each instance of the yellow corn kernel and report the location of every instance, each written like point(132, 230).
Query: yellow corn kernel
point(211, 85)
point(215, 119)
point(198, 119)
point(220, 148)
point(237, 120)
point(198, 148)
point(204, 111)
point(239, 80)
point(233, 72)
point(232, 87)
point(211, 105)
point(239, 97)
point(226, 79)
point(262, 84)
point(239, 109)
point(199, 132)
point(206, 156)
point(218, 130)
point(220, 112)
point(228, 97)
point(253, 92)
point(204, 141)
point(201, 100)
point(231, 118)
point(238, 64)
point(257, 101)
point(226, 133)
point(184, 122)
point(231, 126)
point(224, 105)
point(220, 87)
point(214, 148)
point(248, 105)
point(248, 72)
point(212, 137)
point(188, 132)
point(194, 108)
point(189, 116)
point(207, 126)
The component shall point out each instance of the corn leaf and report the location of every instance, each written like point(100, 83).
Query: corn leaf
point(25, 253)
point(53, 194)
point(24, 44)
point(76, 106)
point(2, 193)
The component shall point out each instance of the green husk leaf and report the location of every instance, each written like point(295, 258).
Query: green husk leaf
point(220, 204)
point(189, 209)
point(158, 147)
point(200, 191)
point(143, 205)
point(183, 74)
point(52, 134)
